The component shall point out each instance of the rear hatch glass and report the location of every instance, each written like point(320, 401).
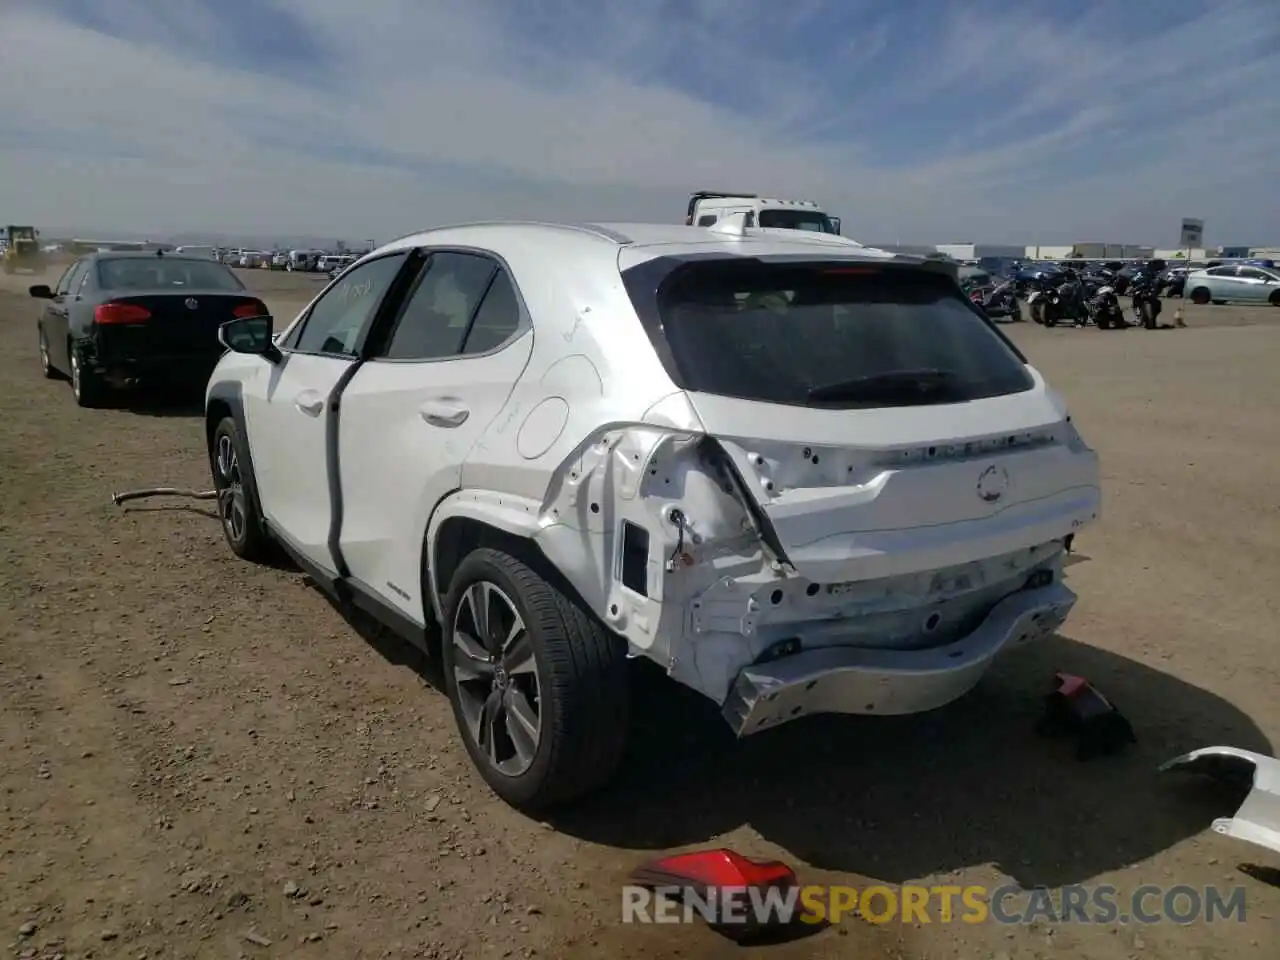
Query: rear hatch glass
point(831, 335)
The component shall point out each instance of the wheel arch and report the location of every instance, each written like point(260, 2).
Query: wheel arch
point(467, 520)
point(225, 398)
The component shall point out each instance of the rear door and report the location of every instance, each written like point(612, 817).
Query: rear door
point(431, 387)
point(290, 408)
point(880, 425)
point(56, 315)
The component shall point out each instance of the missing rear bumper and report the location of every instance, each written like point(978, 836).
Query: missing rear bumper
point(858, 680)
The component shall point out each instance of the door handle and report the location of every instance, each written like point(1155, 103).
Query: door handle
point(309, 402)
point(444, 412)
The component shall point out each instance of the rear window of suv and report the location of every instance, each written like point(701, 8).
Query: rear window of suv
point(831, 334)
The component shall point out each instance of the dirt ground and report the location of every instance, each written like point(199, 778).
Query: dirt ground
point(200, 758)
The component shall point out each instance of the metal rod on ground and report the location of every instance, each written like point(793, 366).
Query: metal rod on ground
point(119, 498)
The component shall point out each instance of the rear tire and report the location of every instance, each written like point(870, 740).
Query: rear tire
point(239, 513)
point(1200, 295)
point(533, 653)
point(89, 389)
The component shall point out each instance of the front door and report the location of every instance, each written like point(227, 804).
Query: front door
point(289, 411)
point(416, 409)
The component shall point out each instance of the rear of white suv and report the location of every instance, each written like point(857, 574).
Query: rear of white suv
point(913, 477)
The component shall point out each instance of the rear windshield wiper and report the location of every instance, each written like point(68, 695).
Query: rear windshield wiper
point(925, 384)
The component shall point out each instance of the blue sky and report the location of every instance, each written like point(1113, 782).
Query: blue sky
point(916, 120)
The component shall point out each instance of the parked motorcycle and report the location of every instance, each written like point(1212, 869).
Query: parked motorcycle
point(1105, 311)
point(1052, 299)
point(1146, 304)
point(998, 301)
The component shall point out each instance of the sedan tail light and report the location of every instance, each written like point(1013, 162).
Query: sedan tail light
point(250, 308)
point(117, 313)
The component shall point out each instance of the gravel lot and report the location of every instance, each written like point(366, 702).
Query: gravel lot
point(200, 758)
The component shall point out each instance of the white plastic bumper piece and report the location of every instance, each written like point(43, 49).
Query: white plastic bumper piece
point(1258, 819)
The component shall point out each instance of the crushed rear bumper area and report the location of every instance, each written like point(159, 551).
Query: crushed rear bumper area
point(859, 680)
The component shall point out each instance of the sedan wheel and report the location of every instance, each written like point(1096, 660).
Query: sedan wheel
point(45, 366)
point(496, 676)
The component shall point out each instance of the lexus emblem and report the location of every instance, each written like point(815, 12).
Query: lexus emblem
point(192, 303)
point(992, 483)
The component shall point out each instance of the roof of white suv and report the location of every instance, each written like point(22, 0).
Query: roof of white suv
point(642, 241)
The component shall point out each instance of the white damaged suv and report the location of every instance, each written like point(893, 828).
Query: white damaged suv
point(802, 475)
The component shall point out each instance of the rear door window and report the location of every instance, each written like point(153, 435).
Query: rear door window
point(831, 335)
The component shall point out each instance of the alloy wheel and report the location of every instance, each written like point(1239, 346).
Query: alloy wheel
point(496, 678)
point(75, 373)
point(230, 483)
point(44, 353)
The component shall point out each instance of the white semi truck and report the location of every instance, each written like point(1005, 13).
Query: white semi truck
point(706, 207)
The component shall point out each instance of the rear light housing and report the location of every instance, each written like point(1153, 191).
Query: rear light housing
point(108, 314)
point(250, 308)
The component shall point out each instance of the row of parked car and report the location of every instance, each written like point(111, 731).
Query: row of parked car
point(301, 261)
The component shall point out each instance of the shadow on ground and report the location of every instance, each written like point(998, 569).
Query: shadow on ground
point(899, 798)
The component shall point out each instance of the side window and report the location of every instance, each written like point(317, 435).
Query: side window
point(82, 283)
point(706, 220)
point(64, 282)
point(497, 319)
point(337, 320)
point(1251, 273)
point(439, 310)
point(1223, 272)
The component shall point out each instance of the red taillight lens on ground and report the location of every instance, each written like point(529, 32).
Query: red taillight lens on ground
point(714, 869)
point(116, 313)
point(250, 308)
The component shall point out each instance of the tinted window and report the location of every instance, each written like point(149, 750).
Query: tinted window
point(497, 319)
point(337, 320)
point(1223, 272)
point(811, 220)
point(1253, 273)
point(72, 274)
point(437, 313)
point(163, 273)
point(706, 220)
point(827, 335)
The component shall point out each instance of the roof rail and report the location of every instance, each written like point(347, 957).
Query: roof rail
point(594, 229)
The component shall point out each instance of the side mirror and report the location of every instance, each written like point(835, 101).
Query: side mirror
point(251, 335)
point(835, 225)
point(41, 291)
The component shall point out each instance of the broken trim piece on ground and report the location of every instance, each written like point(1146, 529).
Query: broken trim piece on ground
point(1258, 819)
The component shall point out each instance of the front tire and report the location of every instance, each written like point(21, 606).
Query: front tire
point(538, 685)
point(238, 510)
point(1274, 299)
point(46, 367)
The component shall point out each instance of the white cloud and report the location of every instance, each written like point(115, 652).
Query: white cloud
point(582, 117)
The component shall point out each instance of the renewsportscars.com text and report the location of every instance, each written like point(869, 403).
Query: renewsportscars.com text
point(1010, 904)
